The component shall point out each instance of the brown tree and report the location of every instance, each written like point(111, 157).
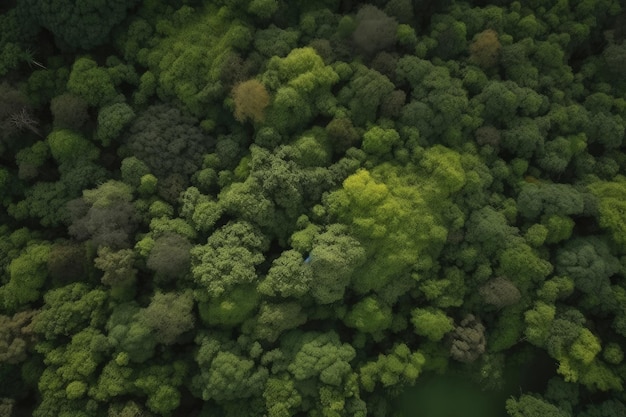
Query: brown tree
point(251, 98)
point(500, 292)
point(69, 111)
point(468, 340)
point(485, 50)
point(16, 336)
point(375, 30)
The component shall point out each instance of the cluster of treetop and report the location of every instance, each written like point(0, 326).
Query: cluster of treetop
point(296, 208)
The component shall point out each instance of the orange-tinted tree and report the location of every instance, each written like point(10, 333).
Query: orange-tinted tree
point(485, 50)
point(251, 98)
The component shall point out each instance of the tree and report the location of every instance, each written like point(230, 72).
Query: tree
point(322, 356)
point(118, 266)
point(17, 336)
point(160, 383)
point(275, 41)
point(523, 266)
point(365, 93)
point(78, 26)
point(170, 257)
point(590, 263)
point(229, 309)
point(229, 258)
point(398, 367)
point(431, 323)
point(538, 321)
point(550, 199)
point(611, 207)
point(116, 379)
point(532, 406)
point(334, 258)
point(485, 49)
point(302, 82)
point(500, 292)
point(169, 315)
point(12, 103)
point(168, 142)
point(274, 319)
point(69, 309)
point(289, 276)
point(70, 369)
point(264, 9)
point(490, 229)
point(374, 30)
point(67, 262)
point(450, 36)
point(69, 111)
point(27, 274)
point(468, 340)
point(31, 159)
point(251, 99)
point(128, 336)
point(104, 215)
point(91, 83)
point(225, 374)
point(133, 170)
point(281, 396)
point(379, 142)
point(369, 315)
point(70, 148)
point(112, 120)
point(605, 408)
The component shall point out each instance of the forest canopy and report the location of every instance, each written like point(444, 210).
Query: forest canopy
point(271, 208)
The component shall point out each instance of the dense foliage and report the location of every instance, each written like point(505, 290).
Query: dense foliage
point(272, 208)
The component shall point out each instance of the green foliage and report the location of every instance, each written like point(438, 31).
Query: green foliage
point(383, 215)
point(419, 181)
point(322, 356)
point(369, 315)
point(167, 141)
point(104, 215)
point(68, 147)
point(590, 264)
point(379, 142)
point(610, 207)
point(334, 258)
point(79, 26)
point(399, 366)
point(364, 94)
point(529, 406)
point(280, 396)
point(91, 82)
point(128, 336)
point(431, 323)
point(289, 276)
point(30, 160)
point(168, 315)
point(229, 309)
point(187, 59)
point(274, 319)
point(228, 259)
point(69, 309)
point(226, 375)
point(27, 274)
point(112, 120)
